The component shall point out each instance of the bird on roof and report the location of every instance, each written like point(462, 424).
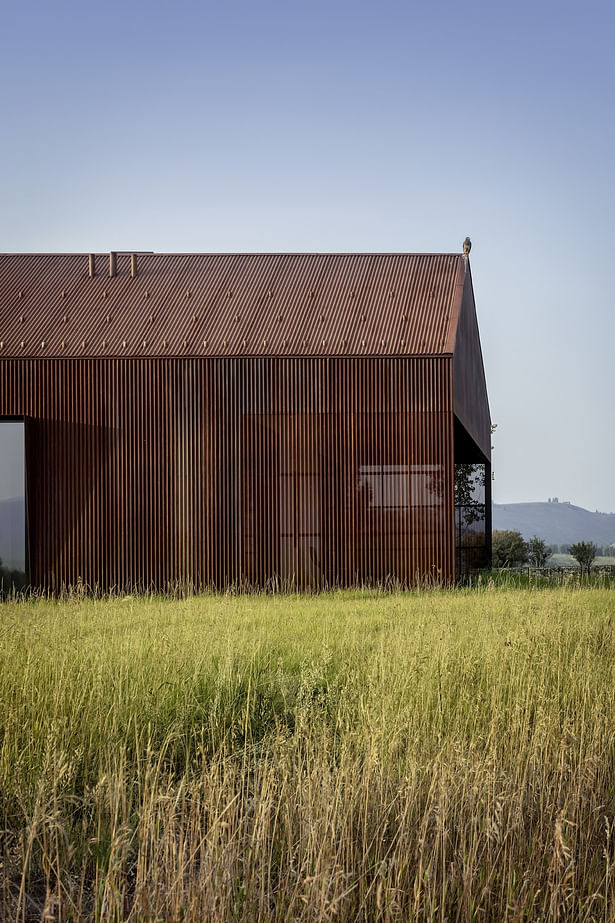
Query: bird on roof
point(467, 246)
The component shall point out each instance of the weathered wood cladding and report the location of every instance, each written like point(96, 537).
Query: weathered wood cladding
point(319, 471)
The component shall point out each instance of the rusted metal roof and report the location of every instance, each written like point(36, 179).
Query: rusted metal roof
point(268, 304)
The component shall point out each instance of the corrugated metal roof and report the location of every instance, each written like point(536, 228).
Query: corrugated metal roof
point(316, 304)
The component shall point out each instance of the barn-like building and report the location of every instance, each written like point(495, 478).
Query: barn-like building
point(240, 419)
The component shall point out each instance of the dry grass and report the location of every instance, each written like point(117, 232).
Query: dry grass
point(428, 756)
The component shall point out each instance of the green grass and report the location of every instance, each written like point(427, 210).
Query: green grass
point(438, 755)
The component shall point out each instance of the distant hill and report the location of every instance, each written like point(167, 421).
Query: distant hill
point(556, 523)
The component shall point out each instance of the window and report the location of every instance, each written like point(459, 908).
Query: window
point(470, 518)
point(12, 505)
point(399, 487)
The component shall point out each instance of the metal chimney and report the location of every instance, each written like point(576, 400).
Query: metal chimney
point(92, 265)
point(133, 265)
point(112, 264)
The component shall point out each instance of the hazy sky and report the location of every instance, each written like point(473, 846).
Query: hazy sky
point(349, 126)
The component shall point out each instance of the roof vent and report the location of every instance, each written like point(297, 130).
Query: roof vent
point(133, 265)
point(92, 265)
point(112, 264)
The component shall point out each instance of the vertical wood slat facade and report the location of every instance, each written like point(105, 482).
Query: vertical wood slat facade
point(242, 470)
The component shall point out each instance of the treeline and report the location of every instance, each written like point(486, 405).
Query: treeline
point(511, 550)
point(607, 551)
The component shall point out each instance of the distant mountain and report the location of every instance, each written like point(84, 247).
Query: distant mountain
point(556, 523)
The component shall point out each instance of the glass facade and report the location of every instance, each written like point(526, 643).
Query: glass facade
point(12, 505)
point(470, 519)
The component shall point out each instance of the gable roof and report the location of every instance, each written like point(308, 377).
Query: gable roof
point(268, 304)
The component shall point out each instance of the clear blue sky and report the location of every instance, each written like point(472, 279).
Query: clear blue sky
point(350, 126)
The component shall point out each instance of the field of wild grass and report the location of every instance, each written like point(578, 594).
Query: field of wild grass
point(438, 755)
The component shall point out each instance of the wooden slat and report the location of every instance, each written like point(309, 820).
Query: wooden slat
point(157, 472)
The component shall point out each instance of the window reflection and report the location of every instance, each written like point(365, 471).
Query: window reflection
point(12, 505)
point(470, 518)
point(399, 487)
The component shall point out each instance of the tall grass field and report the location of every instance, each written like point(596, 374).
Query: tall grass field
point(436, 755)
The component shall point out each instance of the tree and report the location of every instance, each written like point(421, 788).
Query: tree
point(538, 552)
point(584, 552)
point(509, 549)
point(469, 491)
point(11, 579)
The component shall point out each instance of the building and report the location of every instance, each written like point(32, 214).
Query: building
point(239, 419)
